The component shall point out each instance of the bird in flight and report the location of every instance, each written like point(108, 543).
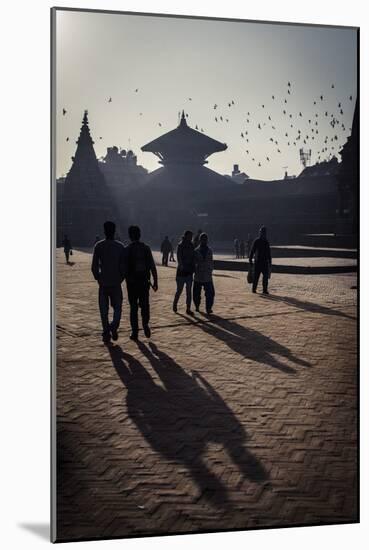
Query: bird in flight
point(109, 100)
point(159, 123)
point(136, 90)
point(64, 111)
point(67, 139)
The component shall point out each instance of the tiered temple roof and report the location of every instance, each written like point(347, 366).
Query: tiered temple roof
point(184, 145)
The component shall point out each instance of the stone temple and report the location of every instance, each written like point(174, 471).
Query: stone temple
point(86, 201)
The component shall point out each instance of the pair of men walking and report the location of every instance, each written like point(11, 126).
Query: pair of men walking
point(195, 266)
point(111, 264)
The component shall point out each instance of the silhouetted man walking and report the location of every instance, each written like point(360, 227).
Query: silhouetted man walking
point(204, 275)
point(165, 248)
point(185, 270)
point(67, 248)
point(140, 267)
point(108, 268)
point(263, 260)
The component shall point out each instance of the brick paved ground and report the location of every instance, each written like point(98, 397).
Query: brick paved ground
point(245, 419)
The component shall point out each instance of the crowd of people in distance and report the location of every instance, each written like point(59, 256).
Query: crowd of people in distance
point(112, 263)
point(242, 248)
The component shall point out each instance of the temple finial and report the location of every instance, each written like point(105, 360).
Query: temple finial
point(183, 119)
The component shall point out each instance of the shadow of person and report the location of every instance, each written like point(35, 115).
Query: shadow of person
point(249, 343)
point(181, 416)
point(308, 306)
point(71, 263)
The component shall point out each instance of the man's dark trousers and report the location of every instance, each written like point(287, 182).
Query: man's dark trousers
point(264, 269)
point(113, 294)
point(209, 294)
point(138, 296)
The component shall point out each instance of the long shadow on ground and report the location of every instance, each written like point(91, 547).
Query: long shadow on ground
point(249, 343)
point(181, 416)
point(308, 306)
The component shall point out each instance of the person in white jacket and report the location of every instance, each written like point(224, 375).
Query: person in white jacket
point(204, 275)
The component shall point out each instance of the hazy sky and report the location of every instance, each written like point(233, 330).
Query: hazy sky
point(212, 62)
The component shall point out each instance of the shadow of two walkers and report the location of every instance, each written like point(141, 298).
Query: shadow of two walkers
point(247, 342)
point(179, 417)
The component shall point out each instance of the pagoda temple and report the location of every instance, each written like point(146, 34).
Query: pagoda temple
point(177, 192)
point(86, 202)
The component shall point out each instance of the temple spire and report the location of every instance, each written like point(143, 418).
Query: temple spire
point(87, 202)
point(183, 121)
point(85, 144)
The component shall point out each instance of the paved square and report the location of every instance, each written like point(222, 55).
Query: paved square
point(243, 420)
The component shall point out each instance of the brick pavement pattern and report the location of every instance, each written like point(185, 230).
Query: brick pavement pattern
point(247, 419)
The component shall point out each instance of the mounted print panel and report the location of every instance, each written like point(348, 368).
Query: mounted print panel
point(205, 227)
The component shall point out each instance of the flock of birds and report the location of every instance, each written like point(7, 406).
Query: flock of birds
point(282, 126)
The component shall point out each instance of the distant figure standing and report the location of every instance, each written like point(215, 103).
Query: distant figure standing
point(242, 249)
point(249, 244)
point(236, 245)
point(263, 260)
point(165, 248)
point(108, 268)
point(67, 248)
point(204, 275)
point(196, 240)
point(171, 257)
point(185, 270)
point(140, 267)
